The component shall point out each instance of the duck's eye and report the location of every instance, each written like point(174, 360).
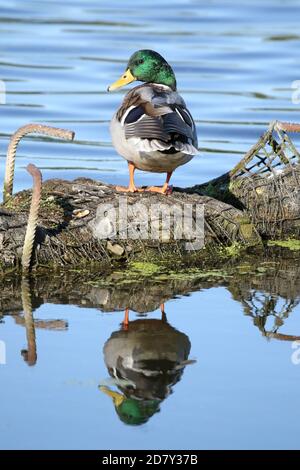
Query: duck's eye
point(141, 61)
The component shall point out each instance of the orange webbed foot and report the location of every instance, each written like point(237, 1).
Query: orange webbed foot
point(166, 189)
point(129, 189)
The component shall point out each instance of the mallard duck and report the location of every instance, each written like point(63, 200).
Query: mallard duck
point(153, 129)
point(145, 361)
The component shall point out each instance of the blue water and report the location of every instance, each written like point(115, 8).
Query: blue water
point(235, 64)
point(242, 391)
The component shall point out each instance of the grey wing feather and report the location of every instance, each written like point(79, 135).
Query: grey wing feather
point(173, 123)
point(147, 128)
point(165, 123)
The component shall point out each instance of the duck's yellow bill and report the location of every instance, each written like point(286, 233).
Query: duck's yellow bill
point(126, 78)
point(117, 397)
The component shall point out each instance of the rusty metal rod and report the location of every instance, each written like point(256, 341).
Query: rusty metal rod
point(30, 354)
point(12, 148)
point(282, 336)
point(287, 126)
point(33, 216)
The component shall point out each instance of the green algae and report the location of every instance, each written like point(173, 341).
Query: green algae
point(292, 244)
point(145, 268)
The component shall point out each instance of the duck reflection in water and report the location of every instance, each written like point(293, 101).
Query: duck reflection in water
point(145, 358)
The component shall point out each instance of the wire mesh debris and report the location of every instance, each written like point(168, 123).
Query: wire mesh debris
point(266, 181)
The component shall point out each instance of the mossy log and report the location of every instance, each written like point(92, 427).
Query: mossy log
point(71, 224)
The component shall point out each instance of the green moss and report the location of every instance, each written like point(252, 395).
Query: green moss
point(194, 274)
point(244, 269)
point(145, 268)
point(19, 203)
point(236, 183)
point(232, 251)
point(261, 269)
point(220, 192)
point(52, 209)
point(211, 190)
point(291, 243)
point(247, 230)
point(159, 275)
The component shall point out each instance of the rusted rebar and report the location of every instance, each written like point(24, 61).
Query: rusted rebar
point(287, 126)
point(12, 148)
point(33, 216)
point(29, 354)
point(281, 336)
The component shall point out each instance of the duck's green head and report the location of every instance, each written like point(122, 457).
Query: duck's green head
point(147, 66)
point(130, 410)
point(136, 412)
